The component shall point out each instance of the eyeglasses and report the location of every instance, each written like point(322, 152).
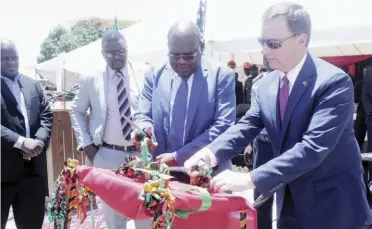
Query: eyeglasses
point(8, 59)
point(274, 44)
point(186, 57)
point(122, 52)
point(179, 57)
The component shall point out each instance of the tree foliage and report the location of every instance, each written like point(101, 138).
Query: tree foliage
point(82, 32)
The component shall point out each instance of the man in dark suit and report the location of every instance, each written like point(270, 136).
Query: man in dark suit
point(307, 108)
point(26, 123)
point(238, 91)
point(367, 103)
point(360, 121)
point(238, 85)
point(248, 83)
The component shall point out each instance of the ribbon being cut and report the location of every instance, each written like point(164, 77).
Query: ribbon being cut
point(141, 189)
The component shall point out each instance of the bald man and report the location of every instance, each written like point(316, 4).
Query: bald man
point(111, 96)
point(188, 101)
point(26, 123)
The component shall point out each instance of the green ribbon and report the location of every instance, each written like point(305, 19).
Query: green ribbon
point(132, 163)
point(206, 202)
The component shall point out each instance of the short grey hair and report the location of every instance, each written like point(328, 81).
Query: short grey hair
point(298, 19)
point(112, 35)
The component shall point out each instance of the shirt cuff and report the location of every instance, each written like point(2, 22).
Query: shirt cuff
point(212, 158)
point(19, 142)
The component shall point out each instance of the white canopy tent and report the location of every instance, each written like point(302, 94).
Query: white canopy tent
point(146, 44)
point(340, 28)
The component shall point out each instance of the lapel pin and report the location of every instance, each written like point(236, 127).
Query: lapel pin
point(304, 83)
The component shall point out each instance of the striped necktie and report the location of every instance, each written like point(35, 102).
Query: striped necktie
point(124, 106)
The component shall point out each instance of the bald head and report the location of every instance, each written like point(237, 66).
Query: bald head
point(185, 44)
point(185, 29)
point(9, 59)
point(7, 43)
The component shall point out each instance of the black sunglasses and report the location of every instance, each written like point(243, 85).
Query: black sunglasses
point(274, 44)
point(186, 57)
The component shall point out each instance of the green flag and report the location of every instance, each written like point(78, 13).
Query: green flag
point(116, 25)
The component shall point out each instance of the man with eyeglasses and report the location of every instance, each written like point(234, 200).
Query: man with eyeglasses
point(187, 102)
point(306, 106)
point(111, 97)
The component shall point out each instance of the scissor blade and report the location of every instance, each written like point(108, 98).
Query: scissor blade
point(131, 123)
point(139, 129)
point(178, 169)
point(163, 176)
point(260, 200)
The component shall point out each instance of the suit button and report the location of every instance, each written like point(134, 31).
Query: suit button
point(22, 122)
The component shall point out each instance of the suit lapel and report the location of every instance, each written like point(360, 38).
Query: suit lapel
point(272, 95)
point(302, 83)
point(102, 84)
point(134, 90)
point(195, 93)
point(165, 86)
point(26, 96)
point(7, 93)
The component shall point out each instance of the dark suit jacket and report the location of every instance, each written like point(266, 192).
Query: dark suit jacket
point(247, 87)
point(367, 96)
point(315, 152)
point(13, 125)
point(239, 92)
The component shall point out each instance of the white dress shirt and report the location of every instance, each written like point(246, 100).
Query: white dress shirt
point(293, 74)
point(18, 95)
point(113, 134)
point(176, 82)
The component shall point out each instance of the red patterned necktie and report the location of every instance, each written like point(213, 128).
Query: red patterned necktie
point(283, 96)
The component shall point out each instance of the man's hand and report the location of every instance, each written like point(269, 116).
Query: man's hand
point(231, 181)
point(31, 148)
point(90, 151)
point(149, 140)
point(204, 157)
point(168, 159)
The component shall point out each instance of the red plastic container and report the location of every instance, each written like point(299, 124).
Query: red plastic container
point(121, 194)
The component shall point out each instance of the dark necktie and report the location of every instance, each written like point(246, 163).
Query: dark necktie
point(283, 96)
point(177, 128)
point(124, 106)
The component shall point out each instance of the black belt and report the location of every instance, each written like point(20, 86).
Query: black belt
point(263, 137)
point(122, 148)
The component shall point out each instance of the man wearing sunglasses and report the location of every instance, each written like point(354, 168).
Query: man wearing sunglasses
point(111, 96)
point(306, 106)
point(188, 101)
